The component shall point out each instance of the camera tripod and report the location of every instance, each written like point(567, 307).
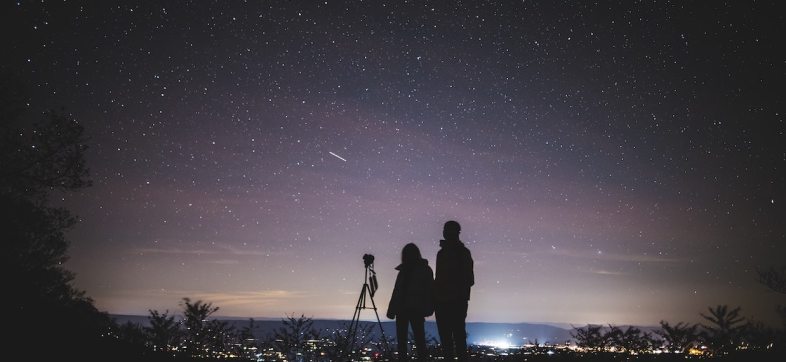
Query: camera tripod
point(367, 292)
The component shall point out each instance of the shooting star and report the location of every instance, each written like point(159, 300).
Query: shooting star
point(337, 156)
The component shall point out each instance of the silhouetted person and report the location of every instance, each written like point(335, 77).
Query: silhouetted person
point(412, 300)
point(452, 283)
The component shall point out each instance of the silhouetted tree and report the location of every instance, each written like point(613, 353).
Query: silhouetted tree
point(759, 336)
point(339, 342)
point(723, 333)
point(631, 340)
point(131, 343)
point(225, 340)
point(164, 331)
point(38, 158)
point(203, 337)
point(680, 337)
point(774, 278)
point(536, 346)
point(41, 157)
point(590, 337)
point(292, 337)
point(132, 333)
point(248, 342)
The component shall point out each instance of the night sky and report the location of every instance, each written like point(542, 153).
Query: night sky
point(618, 162)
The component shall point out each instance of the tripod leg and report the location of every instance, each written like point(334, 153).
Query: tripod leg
point(353, 325)
point(385, 347)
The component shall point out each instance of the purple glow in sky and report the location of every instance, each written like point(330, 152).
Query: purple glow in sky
point(614, 163)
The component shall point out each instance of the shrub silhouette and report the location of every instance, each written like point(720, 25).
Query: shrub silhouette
point(680, 337)
point(292, 337)
point(723, 332)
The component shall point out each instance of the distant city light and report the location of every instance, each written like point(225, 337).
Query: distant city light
point(497, 343)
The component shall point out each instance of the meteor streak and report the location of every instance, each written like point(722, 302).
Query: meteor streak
point(337, 156)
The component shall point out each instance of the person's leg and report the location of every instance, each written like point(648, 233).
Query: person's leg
point(419, 331)
point(402, 324)
point(460, 330)
point(442, 315)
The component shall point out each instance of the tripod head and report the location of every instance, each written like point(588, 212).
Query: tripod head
point(368, 260)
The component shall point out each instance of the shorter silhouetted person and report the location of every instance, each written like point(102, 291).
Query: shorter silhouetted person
point(453, 280)
point(412, 300)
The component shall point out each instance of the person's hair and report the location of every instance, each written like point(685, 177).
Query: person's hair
point(452, 226)
point(410, 254)
point(451, 230)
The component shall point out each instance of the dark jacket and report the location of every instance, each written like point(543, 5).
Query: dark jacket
point(455, 275)
point(413, 292)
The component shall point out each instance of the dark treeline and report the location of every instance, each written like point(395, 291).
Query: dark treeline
point(726, 335)
point(196, 335)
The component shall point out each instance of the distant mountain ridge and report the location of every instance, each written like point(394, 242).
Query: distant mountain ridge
point(477, 332)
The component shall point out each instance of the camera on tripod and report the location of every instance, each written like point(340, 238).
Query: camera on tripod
point(368, 260)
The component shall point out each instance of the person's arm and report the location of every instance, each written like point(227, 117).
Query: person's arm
point(429, 292)
point(395, 299)
point(438, 269)
point(469, 269)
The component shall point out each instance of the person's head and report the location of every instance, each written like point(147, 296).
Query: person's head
point(451, 230)
point(410, 254)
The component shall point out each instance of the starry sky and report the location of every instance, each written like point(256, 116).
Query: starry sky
point(610, 162)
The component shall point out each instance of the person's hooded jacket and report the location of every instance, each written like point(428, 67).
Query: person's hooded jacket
point(412, 294)
point(455, 275)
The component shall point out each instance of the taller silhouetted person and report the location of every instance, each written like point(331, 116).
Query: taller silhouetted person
point(453, 280)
